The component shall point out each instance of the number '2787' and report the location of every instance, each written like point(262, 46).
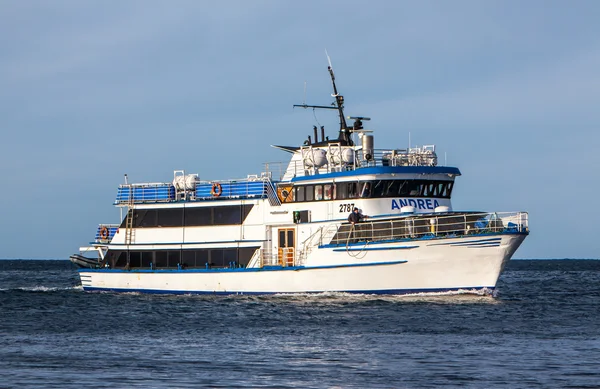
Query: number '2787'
point(346, 207)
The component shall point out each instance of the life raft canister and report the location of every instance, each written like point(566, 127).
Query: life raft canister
point(216, 189)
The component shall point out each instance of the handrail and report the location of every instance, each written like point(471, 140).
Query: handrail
point(303, 164)
point(433, 226)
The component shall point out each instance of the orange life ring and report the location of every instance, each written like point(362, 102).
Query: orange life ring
point(104, 233)
point(216, 189)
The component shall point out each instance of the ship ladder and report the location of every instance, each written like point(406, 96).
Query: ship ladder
point(129, 232)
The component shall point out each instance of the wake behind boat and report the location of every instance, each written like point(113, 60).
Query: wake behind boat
point(292, 233)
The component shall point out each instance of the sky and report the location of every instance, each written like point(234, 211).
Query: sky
point(509, 91)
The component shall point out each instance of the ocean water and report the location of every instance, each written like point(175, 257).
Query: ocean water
point(540, 330)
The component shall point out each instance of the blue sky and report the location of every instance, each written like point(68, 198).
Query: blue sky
point(509, 90)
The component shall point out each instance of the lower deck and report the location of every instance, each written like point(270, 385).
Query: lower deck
point(292, 246)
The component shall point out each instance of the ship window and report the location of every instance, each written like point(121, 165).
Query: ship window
point(198, 216)
point(170, 217)
point(146, 258)
point(352, 190)
point(318, 192)
point(147, 218)
point(227, 215)
point(299, 193)
point(201, 258)
point(229, 255)
point(173, 258)
point(135, 259)
point(161, 259)
point(449, 187)
point(245, 254)
point(365, 191)
point(413, 188)
point(216, 257)
point(188, 258)
point(309, 193)
point(117, 258)
point(328, 192)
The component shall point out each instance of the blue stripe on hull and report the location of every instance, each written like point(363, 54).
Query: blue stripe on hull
point(375, 248)
point(386, 291)
point(239, 270)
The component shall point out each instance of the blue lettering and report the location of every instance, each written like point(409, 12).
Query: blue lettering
point(395, 205)
point(403, 203)
point(421, 203)
point(412, 202)
point(435, 204)
point(428, 202)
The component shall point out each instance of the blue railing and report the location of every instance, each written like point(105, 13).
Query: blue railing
point(145, 193)
point(156, 193)
point(105, 232)
point(232, 189)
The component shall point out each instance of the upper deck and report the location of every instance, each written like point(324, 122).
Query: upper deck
point(351, 157)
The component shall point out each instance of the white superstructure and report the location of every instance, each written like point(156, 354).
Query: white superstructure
point(287, 231)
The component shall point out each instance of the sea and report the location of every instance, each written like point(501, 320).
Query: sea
point(540, 329)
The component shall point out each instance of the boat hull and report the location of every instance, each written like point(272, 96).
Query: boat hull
point(470, 264)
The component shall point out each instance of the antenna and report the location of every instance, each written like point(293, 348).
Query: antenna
point(344, 134)
point(304, 101)
point(409, 140)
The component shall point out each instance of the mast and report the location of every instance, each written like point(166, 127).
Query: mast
point(344, 135)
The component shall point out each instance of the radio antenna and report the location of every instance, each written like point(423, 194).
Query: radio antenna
point(304, 101)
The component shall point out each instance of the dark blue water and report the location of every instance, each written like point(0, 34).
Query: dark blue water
point(542, 330)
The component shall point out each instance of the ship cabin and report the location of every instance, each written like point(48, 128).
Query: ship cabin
point(221, 224)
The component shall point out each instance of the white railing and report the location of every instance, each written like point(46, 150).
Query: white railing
point(415, 156)
point(284, 256)
point(433, 226)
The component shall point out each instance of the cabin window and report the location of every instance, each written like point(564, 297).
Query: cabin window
point(341, 191)
point(216, 258)
point(352, 190)
point(170, 217)
point(229, 255)
point(202, 258)
point(245, 254)
point(173, 258)
point(365, 191)
point(170, 259)
point(309, 193)
point(147, 258)
point(189, 217)
point(160, 259)
point(198, 216)
point(146, 218)
point(300, 193)
point(327, 191)
point(135, 259)
point(346, 190)
point(227, 215)
point(318, 192)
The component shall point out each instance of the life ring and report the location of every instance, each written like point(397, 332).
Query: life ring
point(216, 189)
point(104, 233)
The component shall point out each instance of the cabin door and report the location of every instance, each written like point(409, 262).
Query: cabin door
point(287, 246)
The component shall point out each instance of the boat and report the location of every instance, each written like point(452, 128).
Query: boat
point(288, 229)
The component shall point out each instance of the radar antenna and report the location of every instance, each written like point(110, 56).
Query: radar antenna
point(344, 135)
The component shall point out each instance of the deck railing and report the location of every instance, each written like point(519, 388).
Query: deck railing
point(253, 187)
point(433, 226)
point(105, 232)
point(417, 156)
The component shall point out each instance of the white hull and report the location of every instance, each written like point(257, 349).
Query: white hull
point(469, 263)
